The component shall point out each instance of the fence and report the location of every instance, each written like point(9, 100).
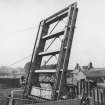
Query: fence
point(83, 89)
point(90, 89)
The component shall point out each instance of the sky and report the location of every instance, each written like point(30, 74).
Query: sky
point(19, 21)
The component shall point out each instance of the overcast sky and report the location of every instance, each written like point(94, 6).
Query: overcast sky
point(19, 21)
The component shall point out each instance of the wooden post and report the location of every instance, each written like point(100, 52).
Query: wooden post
point(104, 96)
point(102, 99)
point(94, 95)
point(98, 96)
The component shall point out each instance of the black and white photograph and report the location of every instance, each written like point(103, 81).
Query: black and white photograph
point(52, 52)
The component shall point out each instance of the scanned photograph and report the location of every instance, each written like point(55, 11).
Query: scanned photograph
point(52, 52)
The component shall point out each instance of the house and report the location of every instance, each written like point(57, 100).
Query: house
point(97, 74)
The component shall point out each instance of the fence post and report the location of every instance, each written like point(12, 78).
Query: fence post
point(87, 88)
point(98, 97)
point(104, 96)
point(94, 95)
point(77, 88)
point(102, 99)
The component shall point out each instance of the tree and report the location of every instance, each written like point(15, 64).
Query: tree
point(27, 67)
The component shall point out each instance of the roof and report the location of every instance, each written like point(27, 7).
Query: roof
point(96, 73)
point(75, 71)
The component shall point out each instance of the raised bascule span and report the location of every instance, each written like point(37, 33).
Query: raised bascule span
point(69, 15)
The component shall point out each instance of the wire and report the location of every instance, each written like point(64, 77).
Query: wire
point(28, 28)
point(18, 61)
